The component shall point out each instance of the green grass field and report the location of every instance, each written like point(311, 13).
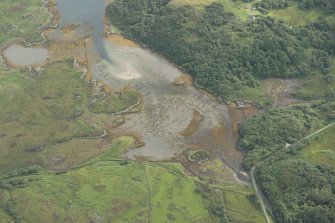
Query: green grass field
point(105, 191)
point(46, 116)
point(239, 8)
point(322, 148)
point(108, 189)
point(238, 205)
point(22, 18)
point(112, 104)
point(295, 16)
point(257, 95)
point(174, 197)
point(317, 86)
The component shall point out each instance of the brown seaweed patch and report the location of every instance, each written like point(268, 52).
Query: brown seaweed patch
point(121, 41)
point(194, 124)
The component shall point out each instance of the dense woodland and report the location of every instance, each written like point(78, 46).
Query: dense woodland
point(264, 134)
point(224, 54)
point(299, 191)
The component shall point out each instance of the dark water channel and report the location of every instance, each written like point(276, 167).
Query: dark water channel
point(90, 14)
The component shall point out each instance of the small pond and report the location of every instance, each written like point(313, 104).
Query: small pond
point(18, 55)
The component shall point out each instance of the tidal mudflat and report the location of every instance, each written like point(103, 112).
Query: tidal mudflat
point(174, 118)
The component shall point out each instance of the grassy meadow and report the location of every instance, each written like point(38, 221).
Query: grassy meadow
point(46, 118)
point(237, 201)
point(321, 150)
point(110, 189)
point(22, 18)
point(295, 16)
point(239, 8)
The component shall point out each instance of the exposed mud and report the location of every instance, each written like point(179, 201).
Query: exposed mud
point(174, 117)
point(121, 41)
point(279, 90)
point(237, 116)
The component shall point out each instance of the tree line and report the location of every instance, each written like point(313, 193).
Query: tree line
point(298, 190)
point(224, 54)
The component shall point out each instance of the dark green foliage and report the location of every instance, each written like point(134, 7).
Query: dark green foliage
point(218, 209)
point(298, 191)
point(254, 200)
point(19, 178)
point(124, 162)
point(224, 219)
point(273, 4)
point(198, 156)
point(24, 171)
point(224, 54)
point(266, 133)
point(14, 183)
point(9, 208)
point(327, 107)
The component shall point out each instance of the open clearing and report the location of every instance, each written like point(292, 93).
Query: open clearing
point(322, 148)
point(22, 19)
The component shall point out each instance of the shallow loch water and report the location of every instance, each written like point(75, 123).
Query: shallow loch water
point(18, 55)
point(90, 13)
point(168, 110)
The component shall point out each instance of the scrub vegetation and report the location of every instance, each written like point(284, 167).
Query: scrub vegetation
point(39, 111)
point(23, 19)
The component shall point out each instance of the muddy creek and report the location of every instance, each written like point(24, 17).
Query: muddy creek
point(90, 15)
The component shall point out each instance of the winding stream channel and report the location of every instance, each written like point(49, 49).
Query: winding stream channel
point(168, 110)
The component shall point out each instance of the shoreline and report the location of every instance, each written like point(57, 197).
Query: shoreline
point(185, 73)
point(54, 19)
point(232, 104)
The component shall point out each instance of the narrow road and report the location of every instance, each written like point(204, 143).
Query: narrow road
point(254, 183)
point(320, 130)
point(260, 196)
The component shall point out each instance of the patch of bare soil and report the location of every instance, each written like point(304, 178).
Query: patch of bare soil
point(279, 90)
point(120, 40)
